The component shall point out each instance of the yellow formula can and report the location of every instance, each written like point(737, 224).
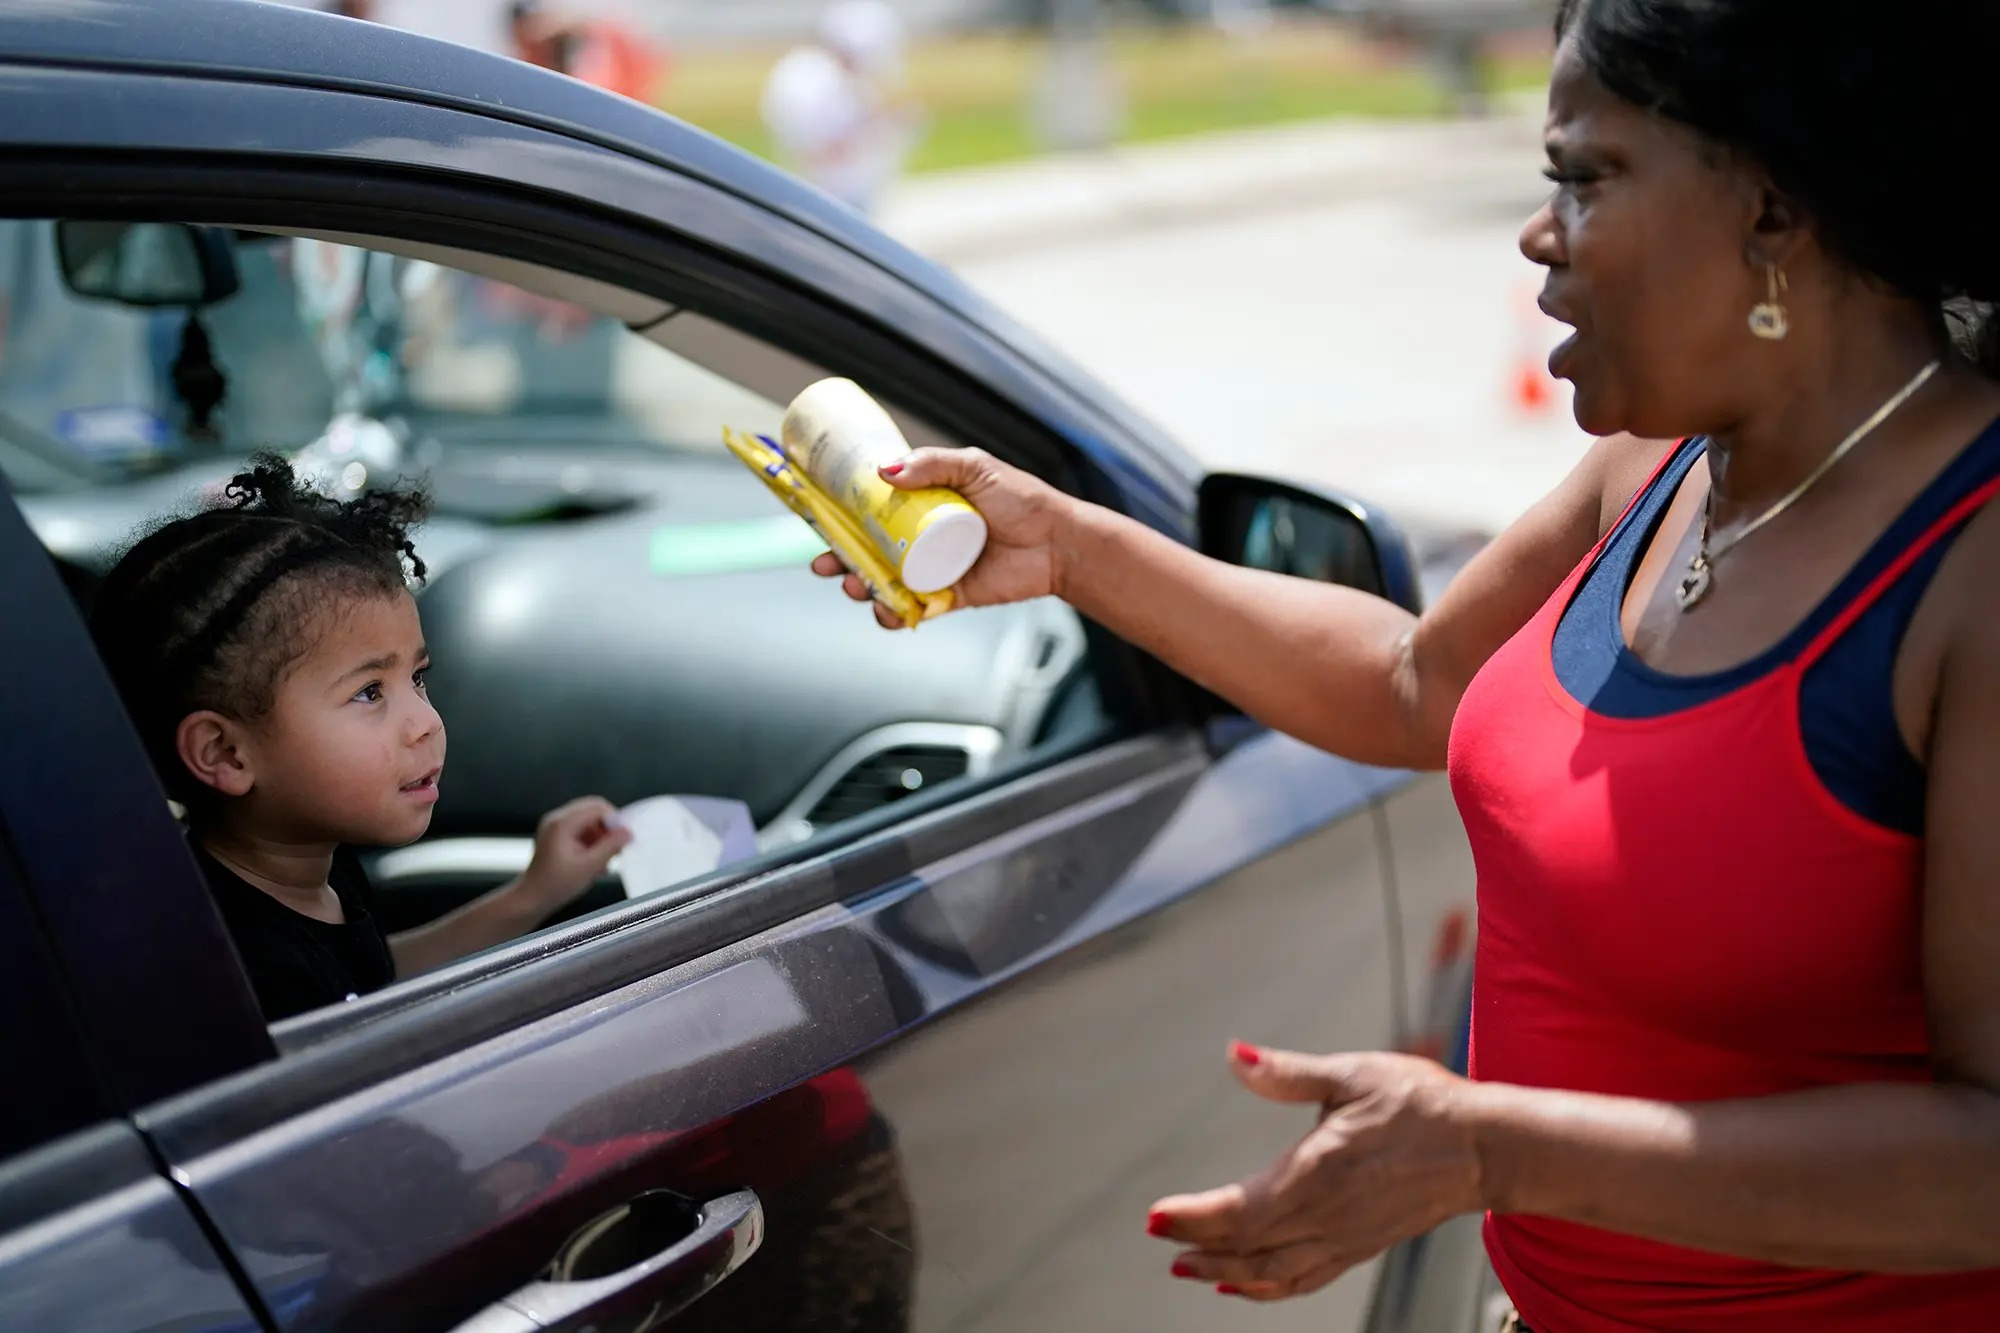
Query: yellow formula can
point(840, 437)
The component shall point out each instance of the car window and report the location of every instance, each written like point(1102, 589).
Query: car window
point(316, 330)
point(613, 607)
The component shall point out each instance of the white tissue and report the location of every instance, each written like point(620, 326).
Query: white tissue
point(679, 838)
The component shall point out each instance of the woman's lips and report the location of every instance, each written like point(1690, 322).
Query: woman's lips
point(1559, 358)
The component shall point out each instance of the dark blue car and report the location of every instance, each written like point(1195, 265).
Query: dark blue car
point(919, 1053)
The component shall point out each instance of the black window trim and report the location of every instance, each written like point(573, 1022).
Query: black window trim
point(355, 1046)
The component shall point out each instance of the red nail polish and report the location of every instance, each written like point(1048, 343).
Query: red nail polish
point(892, 469)
point(1227, 1290)
point(1182, 1268)
point(1246, 1054)
point(1157, 1224)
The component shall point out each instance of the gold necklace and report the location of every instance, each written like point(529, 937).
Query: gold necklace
point(1700, 571)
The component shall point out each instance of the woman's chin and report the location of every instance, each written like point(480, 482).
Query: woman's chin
point(1594, 413)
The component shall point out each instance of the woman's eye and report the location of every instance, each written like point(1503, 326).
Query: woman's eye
point(421, 679)
point(1567, 178)
point(371, 693)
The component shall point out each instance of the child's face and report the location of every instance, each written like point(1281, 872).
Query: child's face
point(351, 749)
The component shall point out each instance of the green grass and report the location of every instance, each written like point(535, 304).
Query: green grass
point(978, 91)
point(974, 138)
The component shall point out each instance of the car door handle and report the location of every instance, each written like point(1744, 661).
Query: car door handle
point(614, 1276)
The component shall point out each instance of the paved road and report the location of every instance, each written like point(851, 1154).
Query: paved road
point(1372, 343)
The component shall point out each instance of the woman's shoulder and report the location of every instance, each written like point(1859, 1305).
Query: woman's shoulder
point(1565, 524)
point(1624, 464)
point(1963, 602)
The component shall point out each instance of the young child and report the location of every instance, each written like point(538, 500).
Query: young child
point(269, 652)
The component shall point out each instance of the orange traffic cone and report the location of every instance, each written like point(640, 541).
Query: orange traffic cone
point(1532, 393)
point(1532, 390)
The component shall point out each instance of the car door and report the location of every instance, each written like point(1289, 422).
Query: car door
point(923, 1075)
point(950, 1063)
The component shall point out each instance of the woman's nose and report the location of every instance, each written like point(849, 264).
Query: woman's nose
point(1542, 238)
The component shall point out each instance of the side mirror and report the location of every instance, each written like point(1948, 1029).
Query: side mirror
point(1321, 535)
point(147, 264)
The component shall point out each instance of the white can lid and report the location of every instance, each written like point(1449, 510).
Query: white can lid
point(941, 554)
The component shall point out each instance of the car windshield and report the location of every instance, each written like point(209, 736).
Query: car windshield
point(92, 389)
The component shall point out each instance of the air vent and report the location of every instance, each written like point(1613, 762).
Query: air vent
point(888, 776)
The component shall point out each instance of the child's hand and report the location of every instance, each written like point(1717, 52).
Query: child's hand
point(574, 844)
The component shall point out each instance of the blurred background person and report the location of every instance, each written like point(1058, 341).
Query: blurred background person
point(542, 37)
point(837, 109)
point(597, 49)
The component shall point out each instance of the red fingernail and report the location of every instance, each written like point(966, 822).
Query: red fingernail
point(892, 469)
point(1246, 1054)
point(1157, 1224)
point(1227, 1290)
point(1182, 1268)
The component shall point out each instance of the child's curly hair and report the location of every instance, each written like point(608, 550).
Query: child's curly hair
point(210, 609)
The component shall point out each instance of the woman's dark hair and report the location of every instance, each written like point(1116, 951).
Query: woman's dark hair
point(208, 610)
point(1871, 117)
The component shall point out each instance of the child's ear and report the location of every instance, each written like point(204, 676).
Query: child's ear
point(211, 746)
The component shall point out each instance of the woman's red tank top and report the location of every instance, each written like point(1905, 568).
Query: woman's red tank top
point(1677, 908)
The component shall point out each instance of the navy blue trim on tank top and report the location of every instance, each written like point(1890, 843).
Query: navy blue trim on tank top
point(1846, 699)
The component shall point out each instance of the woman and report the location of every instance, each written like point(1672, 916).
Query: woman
point(1722, 716)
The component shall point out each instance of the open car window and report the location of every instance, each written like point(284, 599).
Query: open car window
point(614, 606)
point(316, 330)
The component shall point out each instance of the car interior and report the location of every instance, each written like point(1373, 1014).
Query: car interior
point(569, 659)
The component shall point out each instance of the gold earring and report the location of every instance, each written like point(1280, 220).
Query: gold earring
point(1769, 319)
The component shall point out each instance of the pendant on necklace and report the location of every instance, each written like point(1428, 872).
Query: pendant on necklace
point(1695, 586)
